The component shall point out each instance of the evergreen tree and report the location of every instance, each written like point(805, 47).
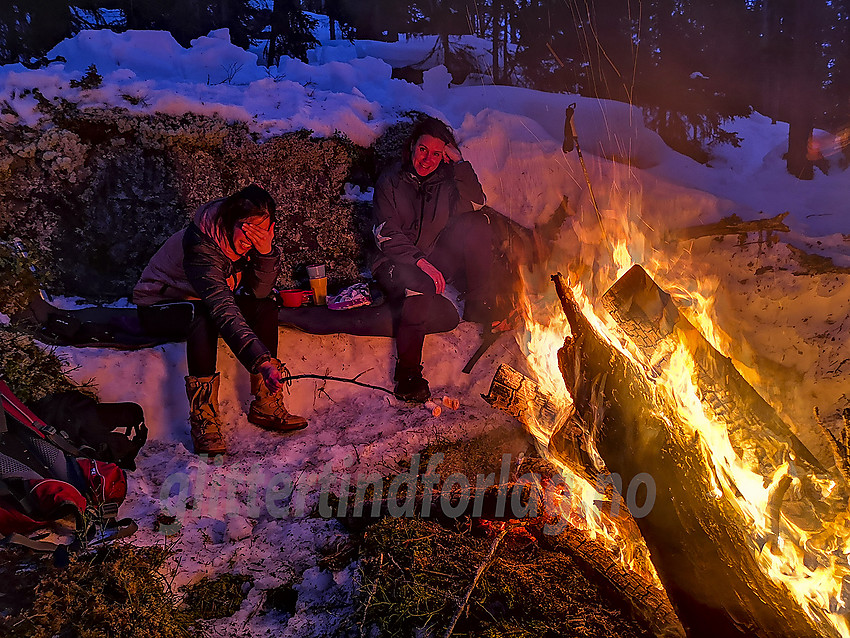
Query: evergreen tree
point(687, 84)
point(30, 29)
point(671, 57)
point(291, 31)
point(836, 116)
point(797, 60)
point(445, 18)
point(374, 20)
point(579, 46)
point(190, 19)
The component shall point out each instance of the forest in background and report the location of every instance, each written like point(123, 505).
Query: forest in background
point(691, 65)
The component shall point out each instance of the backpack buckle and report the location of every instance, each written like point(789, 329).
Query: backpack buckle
point(49, 430)
point(108, 510)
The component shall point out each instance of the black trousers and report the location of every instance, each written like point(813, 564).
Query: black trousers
point(464, 254)
point(200, 332)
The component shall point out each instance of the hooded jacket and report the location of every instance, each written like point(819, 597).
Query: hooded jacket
point(411, 211)
point(194, 264)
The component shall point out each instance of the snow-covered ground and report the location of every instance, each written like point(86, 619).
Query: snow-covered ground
point(787, 330)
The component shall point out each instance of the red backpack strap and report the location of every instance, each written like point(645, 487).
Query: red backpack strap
point(13, 405)
point(17, 409)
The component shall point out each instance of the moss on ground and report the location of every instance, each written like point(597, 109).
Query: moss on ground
point(416, 572)
point(216, 597)
point(123, 591)
point(119, 592)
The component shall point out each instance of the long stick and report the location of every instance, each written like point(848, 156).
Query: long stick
point(481, 569)
point(570, 140)
point(341, 379)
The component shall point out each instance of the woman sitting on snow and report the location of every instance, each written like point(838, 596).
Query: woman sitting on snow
point(428, 232)
point(229, 243)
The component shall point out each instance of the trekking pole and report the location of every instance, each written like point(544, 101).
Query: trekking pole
point(570, 141)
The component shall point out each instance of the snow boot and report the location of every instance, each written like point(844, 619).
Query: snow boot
point(203, 415)
point(410, 385)
point(269, 411)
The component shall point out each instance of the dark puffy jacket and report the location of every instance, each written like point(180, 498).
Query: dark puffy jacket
point(410, 212)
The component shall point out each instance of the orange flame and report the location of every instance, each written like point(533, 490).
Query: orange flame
point(812, 566)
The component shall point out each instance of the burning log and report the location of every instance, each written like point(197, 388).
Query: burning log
point(647, 314)
point(504, 504)
point(521, 397)
point(700, 551)
point(646, 600)
point(840, 445)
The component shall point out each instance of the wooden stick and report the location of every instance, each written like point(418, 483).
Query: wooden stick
point(372, 591)
point(341, 379)
point(732, 225)
point(479, 572)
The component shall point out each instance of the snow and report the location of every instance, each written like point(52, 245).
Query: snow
point(787, 331)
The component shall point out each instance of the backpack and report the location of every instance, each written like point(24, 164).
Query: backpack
point(112, 432)
point(44, 479)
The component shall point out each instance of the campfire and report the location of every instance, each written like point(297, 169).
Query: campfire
point(669, 455)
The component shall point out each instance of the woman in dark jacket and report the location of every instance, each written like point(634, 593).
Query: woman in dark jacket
point(188, 291)
point(427, 232)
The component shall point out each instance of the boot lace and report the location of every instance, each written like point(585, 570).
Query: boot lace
point(286, 375)
point(203, 412)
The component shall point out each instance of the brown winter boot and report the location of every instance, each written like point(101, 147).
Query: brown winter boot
point(269, 411)
point(203, 415)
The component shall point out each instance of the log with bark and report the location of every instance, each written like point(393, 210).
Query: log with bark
point(647, 314)
point(733, 225)
point(521, 397)
point(697, 540)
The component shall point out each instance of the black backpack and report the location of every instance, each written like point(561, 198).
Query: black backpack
point(111, 432)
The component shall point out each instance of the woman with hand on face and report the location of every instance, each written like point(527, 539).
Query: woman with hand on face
point(188, 290)
point(428, 232)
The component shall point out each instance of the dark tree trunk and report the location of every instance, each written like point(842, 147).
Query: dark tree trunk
point(497, 19)
point(797, 161)
point(803, 92)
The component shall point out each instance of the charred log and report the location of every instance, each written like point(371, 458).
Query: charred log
point(840, 445)
point(701, 553)
point(522, 398)
point(518, 503)
point(646, 601)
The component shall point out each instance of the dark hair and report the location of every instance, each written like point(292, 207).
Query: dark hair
point(251, 201)
point(428, 126)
